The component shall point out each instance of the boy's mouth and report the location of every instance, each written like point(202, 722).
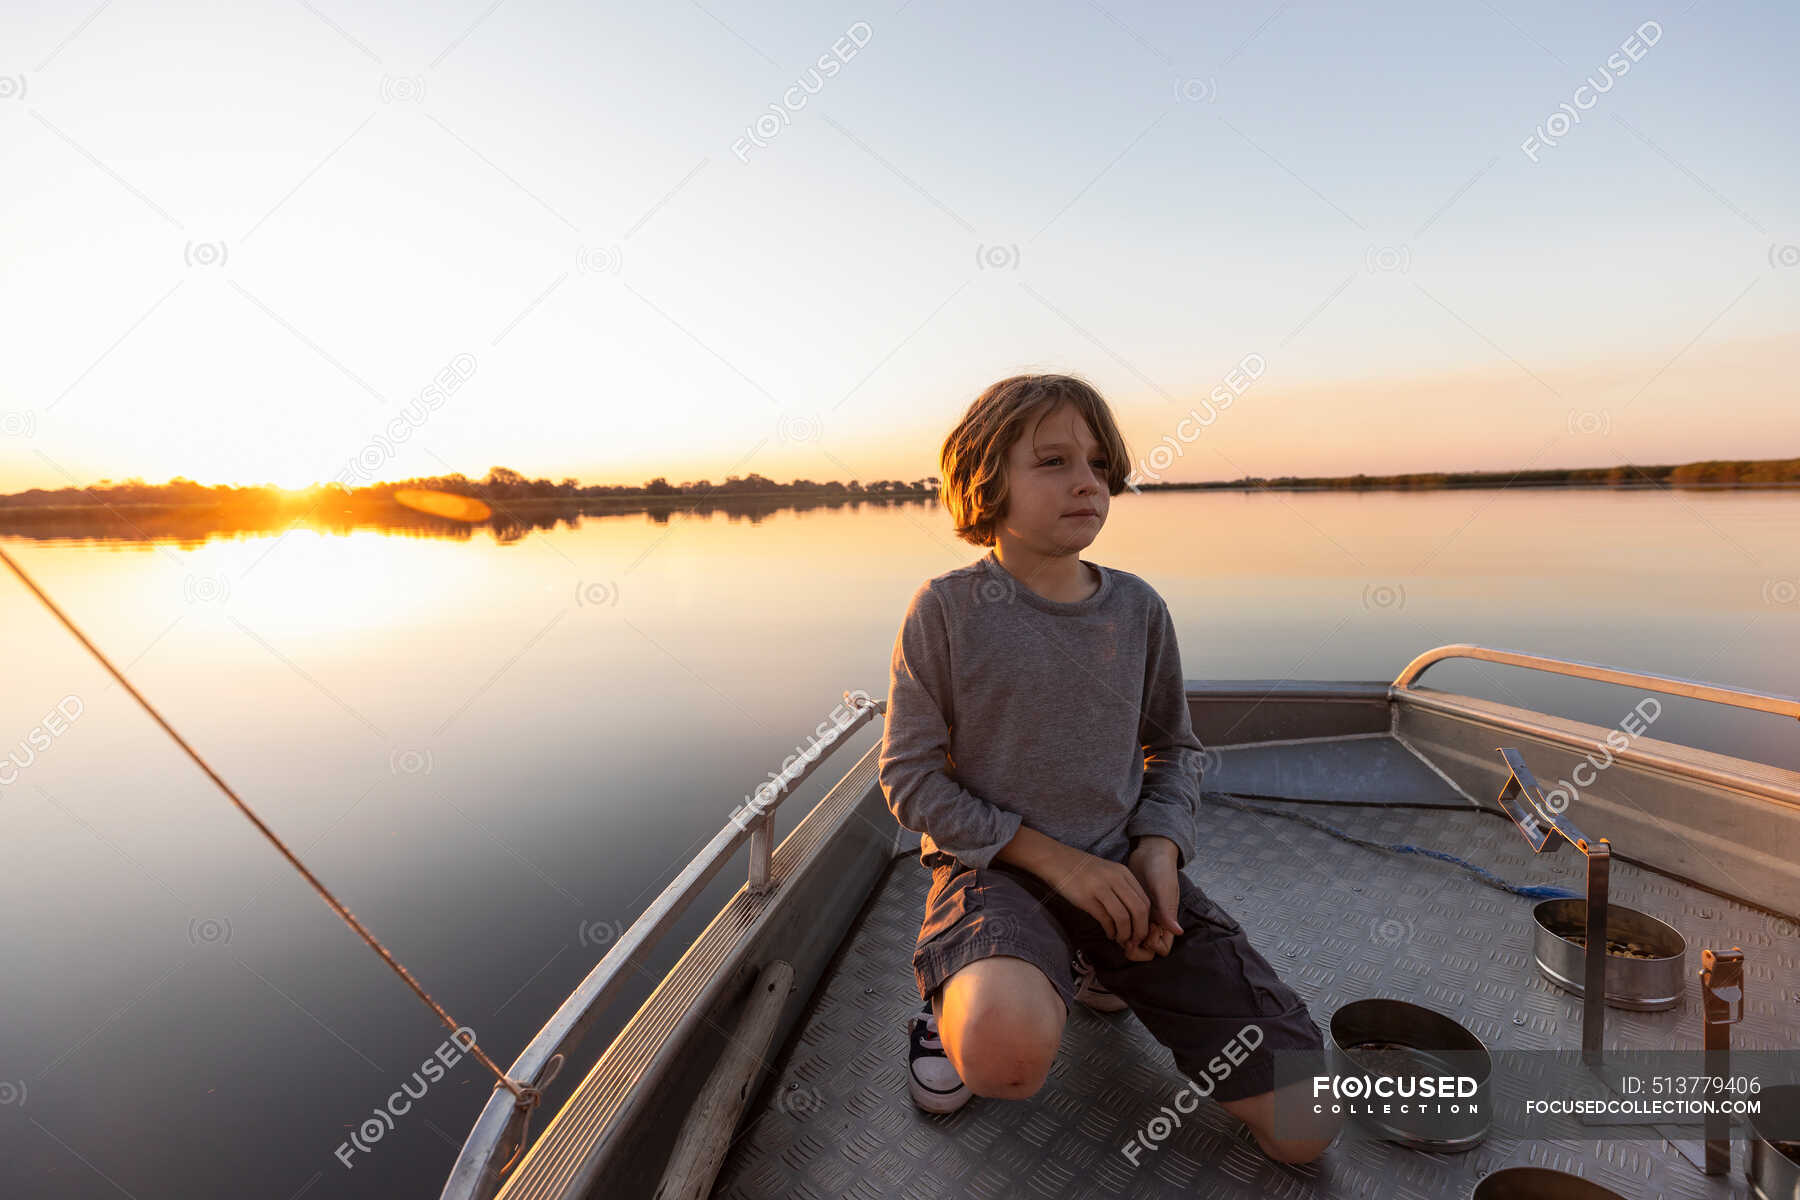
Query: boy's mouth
point(1083, 512)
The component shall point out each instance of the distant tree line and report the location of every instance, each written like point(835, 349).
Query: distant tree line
point(501, 483)
point(504, 483)
point(1711, 472)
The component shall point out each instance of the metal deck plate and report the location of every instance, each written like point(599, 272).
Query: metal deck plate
point(1366, 768)
point(1339, 923)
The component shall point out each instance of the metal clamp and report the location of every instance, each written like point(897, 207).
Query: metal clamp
point(1722, 1003)
point(1546, 829)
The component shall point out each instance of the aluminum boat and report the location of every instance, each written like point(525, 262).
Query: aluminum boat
point(771, 1059)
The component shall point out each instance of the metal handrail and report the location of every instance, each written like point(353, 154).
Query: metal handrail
point(1672, 685)
point(499, 1129)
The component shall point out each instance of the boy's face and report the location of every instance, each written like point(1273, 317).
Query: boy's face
point(1055, 469)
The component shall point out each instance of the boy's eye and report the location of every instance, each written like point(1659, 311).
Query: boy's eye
point(1056, 458)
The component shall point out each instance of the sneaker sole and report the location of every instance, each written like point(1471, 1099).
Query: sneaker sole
point(937, 1102)
point(931, 1101)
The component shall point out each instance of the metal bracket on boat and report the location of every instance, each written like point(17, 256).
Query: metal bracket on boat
point(762, 823)
point(1722, 1006)
point(1722, 997)
point(1547, 829)
point(762, 851)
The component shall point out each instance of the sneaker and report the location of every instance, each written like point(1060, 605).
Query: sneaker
point(936, 1087)
point(1088, 988)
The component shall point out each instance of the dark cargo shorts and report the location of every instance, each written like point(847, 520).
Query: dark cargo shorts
point(1197, 1000)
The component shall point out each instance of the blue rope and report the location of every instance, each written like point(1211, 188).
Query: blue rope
point(1533, 891)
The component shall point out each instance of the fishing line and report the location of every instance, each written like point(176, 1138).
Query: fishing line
point(526, 1096)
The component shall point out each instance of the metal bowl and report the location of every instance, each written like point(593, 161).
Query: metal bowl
point(1774, 1174)
point(1645, 984)
point(1539, 1183)
point(1371, 1038)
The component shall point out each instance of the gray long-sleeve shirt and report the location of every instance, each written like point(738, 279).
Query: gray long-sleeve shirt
point(1007, 707)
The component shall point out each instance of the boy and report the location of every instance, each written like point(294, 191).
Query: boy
point(1038, 738)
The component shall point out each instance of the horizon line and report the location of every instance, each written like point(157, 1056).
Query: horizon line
point(499, 476)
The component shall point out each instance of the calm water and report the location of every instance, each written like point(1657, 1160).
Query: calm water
point(498, 753)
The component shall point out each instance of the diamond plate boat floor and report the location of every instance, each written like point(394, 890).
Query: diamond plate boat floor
point(1339, 923)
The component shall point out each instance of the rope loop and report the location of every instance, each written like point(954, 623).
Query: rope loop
point(526, 1098)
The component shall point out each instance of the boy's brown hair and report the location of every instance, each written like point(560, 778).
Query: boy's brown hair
point(972, 478)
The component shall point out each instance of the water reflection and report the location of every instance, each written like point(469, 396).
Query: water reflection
point(330, 511)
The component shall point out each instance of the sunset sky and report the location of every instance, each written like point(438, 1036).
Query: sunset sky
point(241, 239)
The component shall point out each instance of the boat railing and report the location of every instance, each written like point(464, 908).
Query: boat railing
point(1672, 685)
point(496, 1140)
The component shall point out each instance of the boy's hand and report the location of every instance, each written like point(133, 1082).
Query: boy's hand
point(1105, 890)
point(1152, 862)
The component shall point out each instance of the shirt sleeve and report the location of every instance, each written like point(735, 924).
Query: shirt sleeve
point(1169, 798)
point(915, 746)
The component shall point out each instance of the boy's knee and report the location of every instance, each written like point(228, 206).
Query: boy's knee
point(1003, 1075)
point(1006, 1060)
point(1005, 1025)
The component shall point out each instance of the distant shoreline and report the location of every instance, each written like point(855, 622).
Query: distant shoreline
point(506, 489)
point(716, 498)
point(1481, 485)
point(194, 515)
point(1710, 473)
